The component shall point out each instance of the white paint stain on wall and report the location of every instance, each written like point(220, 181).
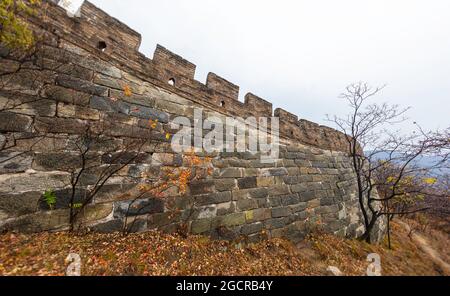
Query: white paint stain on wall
point(73, 7)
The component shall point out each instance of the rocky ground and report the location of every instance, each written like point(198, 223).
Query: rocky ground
point(154, 253)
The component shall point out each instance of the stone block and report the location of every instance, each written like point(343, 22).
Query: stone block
point(328, 201)
point(275, 223)
point(247, 204)
point(313, 204)
point(39, 181)
point(66, 68)
point(274, 201)
point(3, 141)
point(274, 172)
point(12, 122)
point(201, 226)
point(306, 196)
point(279, 190)
point(8, 66)
point(252, 228)
point(66, 95)
point(250, 193)
point(229, 173)
point(162, 219)
point(299, 207)
point(265, 181)
point(38, 222)
point(55, 220)
point(258, 215)
point(327, 209)
point(299, 188)
point(149, 114)
point(26, 104)
point(15, 162)
point(202, 187)
point(74, 111)
point(62, 161)
point(111, 226)
point(205, 212)
point(139, 207)
point(247, 183)
point(290, 199)
point(290, 180)
point(109, 105)
point(231, 220)
point(115, 192)
point(126, 157)
point(109, 81)
point(281, 212)
point(60, 125)
point(81, 85)
point(226, 208)
point(19, 204)
point(133, 99)
point(249, 172)
point(225, 184)
point(213, 198)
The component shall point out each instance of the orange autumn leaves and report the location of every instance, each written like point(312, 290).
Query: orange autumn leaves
point(176, 180)
point(127, 91)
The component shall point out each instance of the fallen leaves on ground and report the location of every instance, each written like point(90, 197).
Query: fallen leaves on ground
point(154, 253)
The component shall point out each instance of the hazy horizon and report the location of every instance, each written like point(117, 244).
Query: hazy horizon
point(300, 55)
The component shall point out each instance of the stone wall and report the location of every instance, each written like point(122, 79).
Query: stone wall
point(77, 79)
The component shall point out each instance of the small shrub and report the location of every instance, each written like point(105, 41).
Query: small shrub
point(50, 199)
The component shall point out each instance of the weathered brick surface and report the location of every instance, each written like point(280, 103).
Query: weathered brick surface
point(116, 92)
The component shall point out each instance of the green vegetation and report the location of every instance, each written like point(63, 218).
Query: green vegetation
point(50, 198)
point(15, 33)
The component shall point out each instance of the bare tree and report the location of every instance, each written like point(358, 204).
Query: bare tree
point(373, 148)
point(194, 168)
point(97, 155)
point(24, 76)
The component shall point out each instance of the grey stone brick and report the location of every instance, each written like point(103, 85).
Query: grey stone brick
point(281, 212)
point(229, 173)
point(290, 199)
point(275, 223)
point(278, 190)
point(139, 207)
point(149, 113)
point(225, 184)
point(306, 196)
point(231, 220)
point(252, 228)
point(201, 226)
point(201, 187)
point(213, 198)
point(12, 122)
point(247, 183)
point(81, 85)
point(247, 204)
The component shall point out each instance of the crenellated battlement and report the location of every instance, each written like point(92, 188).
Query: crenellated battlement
point(172, 66)
point(108, 38)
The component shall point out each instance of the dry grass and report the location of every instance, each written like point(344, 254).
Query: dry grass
point(154, 253)
point(436, 232)
point(405, 258)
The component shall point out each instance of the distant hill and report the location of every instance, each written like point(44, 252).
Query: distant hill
point(423, 161)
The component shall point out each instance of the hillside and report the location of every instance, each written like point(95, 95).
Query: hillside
point(154, 253)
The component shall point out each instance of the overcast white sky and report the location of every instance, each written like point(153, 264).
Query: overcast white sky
point(300, 55)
